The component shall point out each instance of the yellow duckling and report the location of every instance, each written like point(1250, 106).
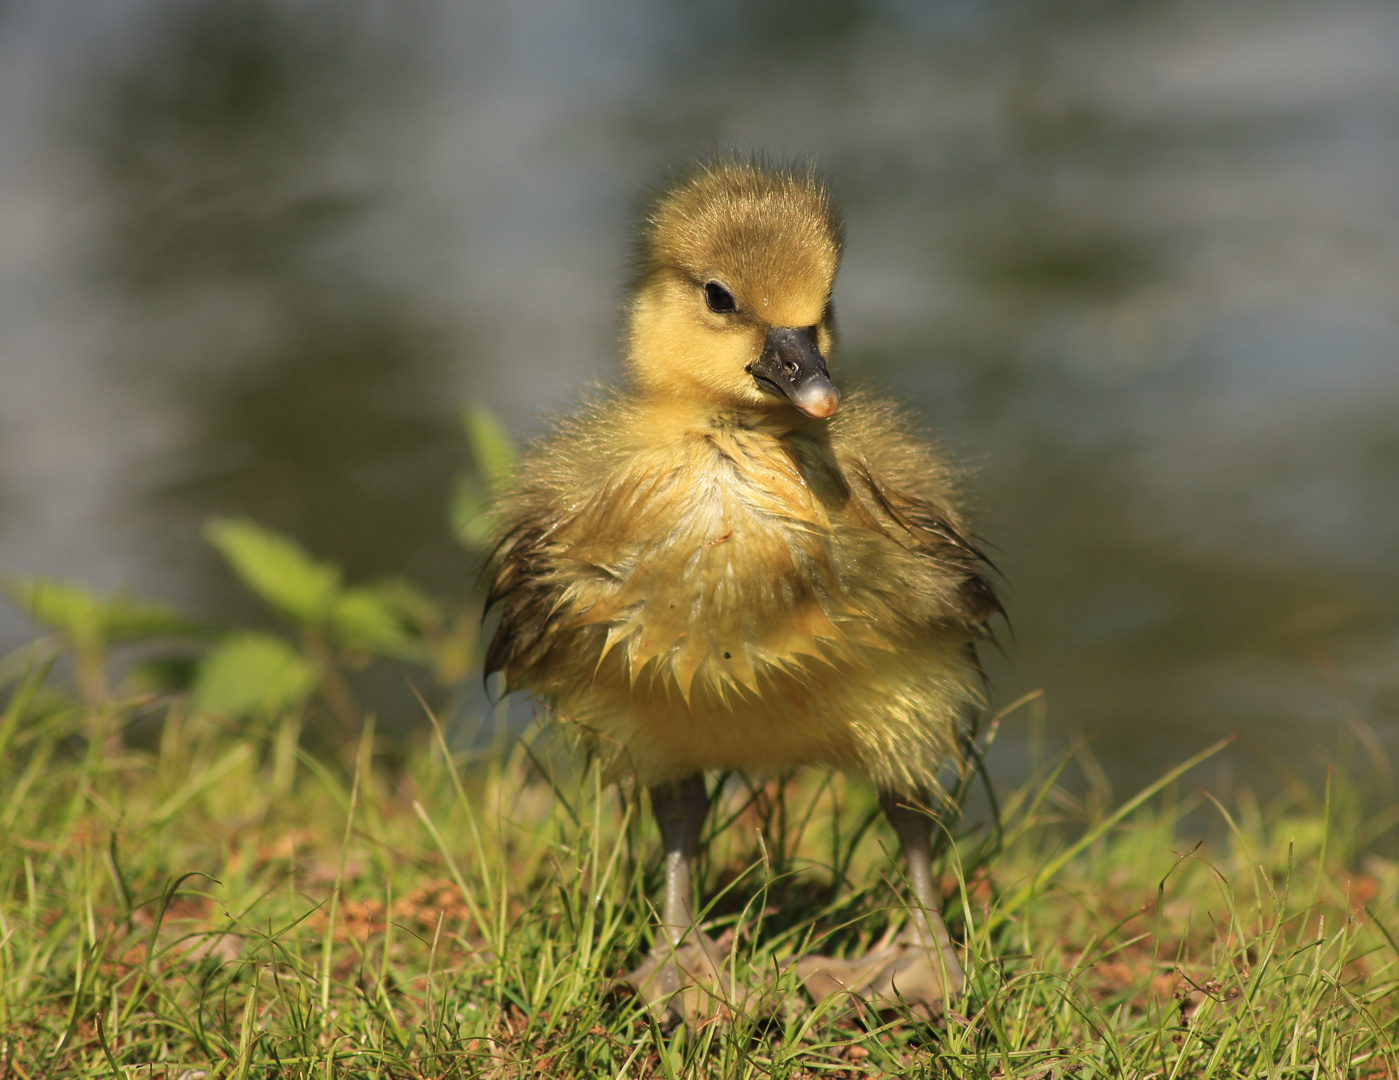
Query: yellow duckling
point(727, 566)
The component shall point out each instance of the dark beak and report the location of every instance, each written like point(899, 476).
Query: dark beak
point(792, 367)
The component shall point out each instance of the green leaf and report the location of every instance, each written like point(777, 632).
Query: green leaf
point(390, 618)
point(80, 615)
point(252, 673)
point(493, 454)
point(363, 619)
point(125, 619)
point(277, 569)
point(471, 521)
point(60, 605)
point(410, 604)
point(492, 449)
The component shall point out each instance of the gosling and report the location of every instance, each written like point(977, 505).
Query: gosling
point(727, 564)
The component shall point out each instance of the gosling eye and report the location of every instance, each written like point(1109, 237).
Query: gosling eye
point(719, 298)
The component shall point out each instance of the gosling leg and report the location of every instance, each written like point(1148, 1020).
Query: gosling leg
point(684, 975)
point(919, 967)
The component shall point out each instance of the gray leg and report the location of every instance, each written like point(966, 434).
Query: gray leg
point(684, 975)
point(915, 831)
point(926, 929)
point(919, 967)
point(680, 809)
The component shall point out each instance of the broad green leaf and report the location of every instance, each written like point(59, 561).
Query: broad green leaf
point(492, 449)
point(252, 673)
point(70, 609)
point(410, 603)
point(125, 619)
point(361, 618)
point(391, 617)
point(277, 569)
point(80, 615)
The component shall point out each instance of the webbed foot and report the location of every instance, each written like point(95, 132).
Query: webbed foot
point(915, 968)
point(687, 980)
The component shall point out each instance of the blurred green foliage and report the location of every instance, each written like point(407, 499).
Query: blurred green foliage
point(325, 630)
point(88, 626)
point(250, 673)
point(494, 454)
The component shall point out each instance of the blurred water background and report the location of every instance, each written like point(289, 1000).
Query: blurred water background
point(1137, 264)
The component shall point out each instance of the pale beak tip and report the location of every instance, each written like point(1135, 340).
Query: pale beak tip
point(821, 406)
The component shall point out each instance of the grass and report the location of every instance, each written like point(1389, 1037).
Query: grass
point(223, 904)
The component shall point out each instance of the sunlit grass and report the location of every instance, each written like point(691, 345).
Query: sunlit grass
point(230, 904)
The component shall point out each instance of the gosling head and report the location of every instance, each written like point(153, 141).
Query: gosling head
point(733, 298)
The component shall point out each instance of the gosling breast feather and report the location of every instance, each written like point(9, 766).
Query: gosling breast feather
point(706, 569)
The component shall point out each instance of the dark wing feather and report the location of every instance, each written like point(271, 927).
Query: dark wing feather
point(521, 589)
point(935, 534)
